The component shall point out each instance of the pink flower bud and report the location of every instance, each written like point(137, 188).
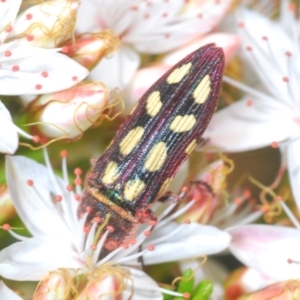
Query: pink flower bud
point(66, 114)
point(54, 286)
point(106, 288)
point(89, 49)
point(46, 24)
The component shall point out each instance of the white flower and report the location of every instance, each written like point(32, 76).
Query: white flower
point(48, 208)
point(266, 118)
point(7, 294)
point(151, 27)
point(26, 68)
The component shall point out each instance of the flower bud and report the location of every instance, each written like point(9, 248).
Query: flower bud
point(54, 286)
point(66, 114)
point(9, 139)
point(106, 288)
point(46, 24)
point(89, 49)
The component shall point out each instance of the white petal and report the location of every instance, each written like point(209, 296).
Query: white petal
point(267, 248)
point(118, 69)
point(33, 63)
point(35, 205)
point(268, 57)
point(33, 258)
point(189, 242)
point(294, 168)
point(144, 287)
point(242, 127)
point(9, 137)
point(8, 12)
point(7, 294)
point(229, 42)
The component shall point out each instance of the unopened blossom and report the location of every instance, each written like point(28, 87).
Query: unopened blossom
point(68, 113)
point(145, 77)
point(150, 27)
point(26, 66)
point(48, 207)
point(6, 206)
point(88, 49)
point(269, 116)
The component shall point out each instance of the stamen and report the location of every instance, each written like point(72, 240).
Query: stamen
point(8, 228)
point(289, 213)
point(292, 261)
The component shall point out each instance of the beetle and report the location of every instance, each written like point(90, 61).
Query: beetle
point(154, 140)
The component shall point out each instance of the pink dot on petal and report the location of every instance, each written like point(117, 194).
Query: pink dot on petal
point(69, 187)
point(58, 198)
point(9, 28)
point(38, 86)
point(30, 182)
point(288, 53)
point(29, 16)
point(15, 68)
point(249, 48)
point(30, 37)
point(285, 79)
point(249, 103)
point(150, 247)
point(45, 74)
point(6, 226)
point(7, 53)
point(264, 38)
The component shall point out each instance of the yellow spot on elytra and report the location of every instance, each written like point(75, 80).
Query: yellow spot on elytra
point(133, 188)
point(111, 172)
point(189, 149)
point(183, 123)
point(165, 185)
point(202, 91)
point(178, 74)
point(153, 104)
point(156, 157)
point(131, 140)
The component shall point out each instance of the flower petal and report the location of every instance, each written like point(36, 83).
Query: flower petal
point(33, 258)
point(267, 249)
point(9, 139)
point(249, 124)
point(143, 287)
point(36, 70)
point(7, 294)
point(118, 69)
point(8, 12)
point(189, 242)
point(35, 204)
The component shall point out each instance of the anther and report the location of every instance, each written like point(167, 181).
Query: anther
point(36, 139)
point(186, 295)
point(6, 227)
point(77, 197)
point(184, 189)
point(238, 201)
point(86, 229)
point(241, 24)
point(249, 48)
point(29, 16)
point(64, 153)
point(247, 194)
point(8, 28)
point(7, 53)
point(65, 49)
point(97, 220)
point(77, 171)
point(74, 78)
point(93, 247)
point(132, 241)
point(150, 247)
point(152, 222)
point(38, 86)
point(264, 38)
point(288, 53)
point(78, 181)
point(110, 228)
point(30, 182)
point(274, 144)
point(187, 221)
point(88, 209)
point(15, 68)
point(285, 79)
point(30, 37)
